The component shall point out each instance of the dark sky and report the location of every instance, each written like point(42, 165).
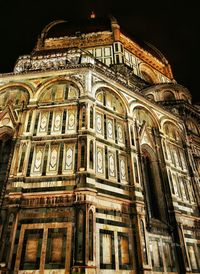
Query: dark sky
point(173, 26)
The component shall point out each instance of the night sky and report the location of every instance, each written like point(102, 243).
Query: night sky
point(173, 26)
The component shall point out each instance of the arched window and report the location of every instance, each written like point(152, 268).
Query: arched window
point(58, 92)
point(80, 238)
point(153, 188)
point(132, 136)
point(29, 121)
point(5, 151)
point(136, 171)
point(165, 150)
point(83, 116)
point(91, 241)
point(150, 179)
point(110, 100)
point(91, 117)
point(17, 95)
point(82, 154)
point(171, 182)
point(91, 155)
point(23, 151)
point(144, 248)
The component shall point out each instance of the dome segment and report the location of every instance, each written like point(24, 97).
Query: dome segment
point(107, 42)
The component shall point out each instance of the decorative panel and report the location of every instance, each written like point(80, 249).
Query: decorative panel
point(72, 92)
point(112, 164)
point(59, 92)
point(53, 159)
point(99, 123)
point(120, 133)
point(110, 129)
point(156, 260)
point(107, 244)
point(123, 247)
point(37, 163)
point(43, 123)
point(56, 248)
point(57, 122)
point(169, 257)
point(107, 253)
point(192, 256)
point(100, 160)
point(122, 168)
point(71, 121)
point(31, 250)
point(68, 159)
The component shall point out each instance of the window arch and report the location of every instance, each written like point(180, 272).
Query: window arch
point(91, 117)
point(110, 100)
point(18, 96)
point(174, 142)
point(5, 152)
point(91, 153)
point(192, 126)
point(136, 170)
point(141, 115)
point(58, 92)
point(91, 231)
point(80, 235)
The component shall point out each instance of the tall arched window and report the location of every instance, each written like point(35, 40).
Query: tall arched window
point(80, 238)
point(91, 241)
point(83, 116)
point(132, 137)
point(136, 171)
point(150, 179)
point(82, 154)
point(144, 248)
point(21, 163)
point(5, 150)
point(91, 117)
point(91, 155)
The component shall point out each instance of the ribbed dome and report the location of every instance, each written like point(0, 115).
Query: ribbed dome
point(61, 28)
point(73, 28)
point(96, 32)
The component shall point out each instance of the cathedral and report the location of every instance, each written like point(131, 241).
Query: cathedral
point(99, 157)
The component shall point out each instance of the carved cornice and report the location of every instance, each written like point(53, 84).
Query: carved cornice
point(82, 41)
point(146, 56)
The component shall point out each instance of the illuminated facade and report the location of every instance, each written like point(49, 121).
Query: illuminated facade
point(99, 157)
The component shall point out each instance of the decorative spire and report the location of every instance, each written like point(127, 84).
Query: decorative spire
point(92, 15)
